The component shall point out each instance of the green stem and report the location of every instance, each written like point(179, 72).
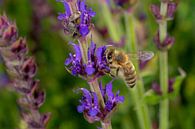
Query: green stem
point(95, 86)
point(84, 46)
point(164, 109)
point(138, 91)
point(163, 57)
point(106, 125)
point(112, 27)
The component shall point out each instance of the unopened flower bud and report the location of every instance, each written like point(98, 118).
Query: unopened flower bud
point(3, 23)
point(45, 118)
point(156, 87)
point(21, 70)
point(10, 33)
point(32, 122)
point(166, 44)
point(156, 11)
point(19, 46)
point(171, 10)
point(39, 98)
point(29, 68)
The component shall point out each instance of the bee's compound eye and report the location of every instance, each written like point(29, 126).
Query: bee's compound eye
point(110, 56)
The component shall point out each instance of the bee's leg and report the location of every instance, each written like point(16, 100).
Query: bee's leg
point(112, 73)
point(117, 71)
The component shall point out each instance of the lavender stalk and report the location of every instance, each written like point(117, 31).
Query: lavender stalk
point(89, 63)
point(94, 85)
point(163, 61)
point(22, 70)
point(163, 42)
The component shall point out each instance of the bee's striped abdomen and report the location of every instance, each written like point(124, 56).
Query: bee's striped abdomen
point(130, 75)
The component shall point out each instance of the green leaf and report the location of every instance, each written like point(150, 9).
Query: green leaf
point(151, 97)
point(177, 84)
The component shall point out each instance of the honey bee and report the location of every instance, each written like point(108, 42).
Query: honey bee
point(70, 25)
point(121, 65)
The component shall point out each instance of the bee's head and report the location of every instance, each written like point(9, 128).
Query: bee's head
point(109, 54)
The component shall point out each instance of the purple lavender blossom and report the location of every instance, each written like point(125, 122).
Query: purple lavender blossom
point(96, 65)
point(112, 100)
point(76, 21)
point(90, 107)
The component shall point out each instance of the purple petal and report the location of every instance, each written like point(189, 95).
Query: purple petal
point(82, 6)
point(74, 72)
point(83, 29)
point(91, 50)
point(109, 91)
point(101, 88)
point(89, 70)
point(68, 60)
point(80, 108)
point(95, 98)
point(61, 16)
point(87, 95)
point(120, 99)
point(67, 7)
point(4, 80)
point(99, 53)
point(77, 51)
point(109, 105)
point(93, 112)
point(91, 12)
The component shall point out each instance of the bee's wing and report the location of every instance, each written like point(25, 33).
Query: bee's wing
point(141, 55)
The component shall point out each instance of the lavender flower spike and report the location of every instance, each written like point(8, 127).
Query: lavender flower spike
point(22, 69)
point(76, 20)
point(91, 109)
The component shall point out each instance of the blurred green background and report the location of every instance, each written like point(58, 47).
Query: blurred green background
point(36, 20)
